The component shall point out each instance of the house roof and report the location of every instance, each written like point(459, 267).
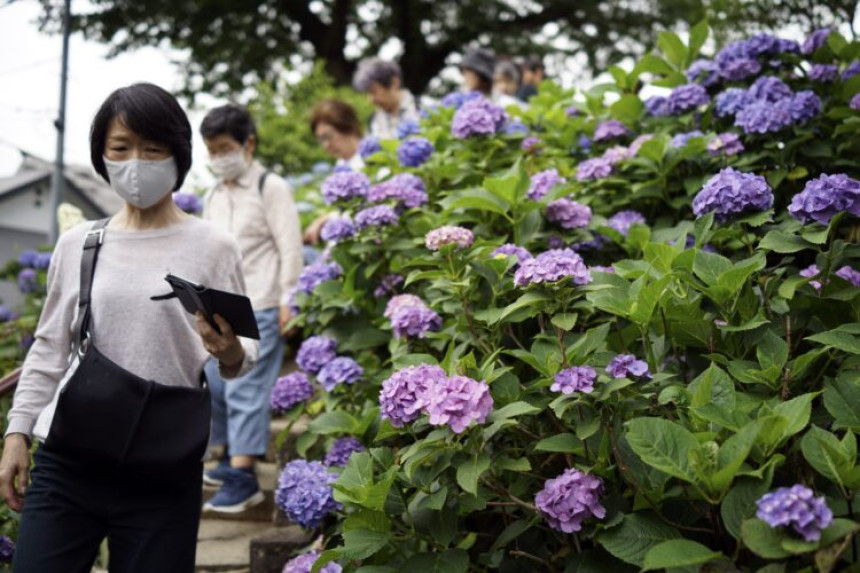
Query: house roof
point(79, 179)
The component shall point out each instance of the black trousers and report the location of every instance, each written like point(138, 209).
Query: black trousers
point(70, 507)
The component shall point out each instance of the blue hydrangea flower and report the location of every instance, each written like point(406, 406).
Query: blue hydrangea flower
point(188, 202)
point(315, 352)
point(341, 450)
point(730, 193)
point(823, 73)
point(27, 259)
point(414, 151)
point(337, 229)
point(569, 499)
point(815, 40)
point(345, 185)
point(627, 365)
point(825, 197)
point(657, 106)
point(681, 140)
point(305, 562)
point(610, 129)
point(305, 494)
point(731, 101)
point(377, 216)
point(574, 379)
point(552, 266)
point(28, 281)
point(407, 127)
point(341, 370)
point(769, 88)
point(686, 98)
point(316, 274)
point(290, 390)
point(797, 507)
point(703, 72)
point(368, 146)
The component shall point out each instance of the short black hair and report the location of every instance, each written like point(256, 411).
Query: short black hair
point(150, 112)
point(233, 120)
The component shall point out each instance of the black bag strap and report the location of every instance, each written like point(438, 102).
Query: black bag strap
point(92, 243)
point(262, 180)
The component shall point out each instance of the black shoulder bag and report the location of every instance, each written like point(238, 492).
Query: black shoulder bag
point(108, 415)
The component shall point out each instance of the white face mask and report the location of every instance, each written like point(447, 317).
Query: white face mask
point(229, 166)
point(142, 183)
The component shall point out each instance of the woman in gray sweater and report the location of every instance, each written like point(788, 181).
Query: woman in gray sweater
point(141, 144)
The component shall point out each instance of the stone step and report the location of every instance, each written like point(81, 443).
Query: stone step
point(226, 546)
point(271, 549)
point(267, 474)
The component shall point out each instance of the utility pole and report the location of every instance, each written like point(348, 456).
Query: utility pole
point(58, 182)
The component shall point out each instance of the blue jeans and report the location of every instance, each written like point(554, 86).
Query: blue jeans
point(240, 407)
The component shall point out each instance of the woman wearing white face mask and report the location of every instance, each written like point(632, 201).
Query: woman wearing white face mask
point(111, 388)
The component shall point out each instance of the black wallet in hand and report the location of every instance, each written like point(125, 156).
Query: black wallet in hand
point(234, 308)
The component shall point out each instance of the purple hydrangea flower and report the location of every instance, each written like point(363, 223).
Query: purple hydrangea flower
point(769, 88)
point(290, 390)
point(849, 274)
point(569, 499)
point(316, 274)
point(703, 72)
point(400, 301)
point(593, 169)
point(686, 98)
point(188, 202)
point(341, 370)
point(449, 235)
point(510, 249)
point(731, 101)
point(815, 40)
point(43, 261)
point(368, 146)
point(764, 45)
point(305, 562)
point(415, 321)
point(637, 144)
point(551, 266)
point(681, 140)
point(458, 401)
point(731, 192)
point(623, 220)
point(726, 143)
point(341, 450)
point(315, 352)
point(337, 229)
point(406, 188)
point(304, 492)
point(803, 106)
point(515, 126)
point(543, 182)
point(795, 506)
point(825, 197)
point(6, 314)
point(457, 99)
point(584, 143)
point(7, 549)
point(852, 70)
point(764, 117)
point(572, 111)
point(387, 285)
point(345, 185)
point(737, 61)
point(403, 393)
point(809, 272)
point(657, 106)
point(407, 127)
point(855, 102)
point(602, 269)
point(568, 213)
point(28, 281)
point(377, 216)
point(627, 365)
point(823, 73)
point(414, 151)
point(530, 144)
point(27, 259)
point(478, 116)
point(574, 379)
point(609, 129)
point(616, 154)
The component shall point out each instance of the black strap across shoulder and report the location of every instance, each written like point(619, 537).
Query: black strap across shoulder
point(92, 244)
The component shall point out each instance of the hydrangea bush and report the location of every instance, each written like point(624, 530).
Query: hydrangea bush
point(608, 350)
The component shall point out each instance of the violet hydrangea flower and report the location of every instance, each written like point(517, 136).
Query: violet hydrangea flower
point(407, 127)
point(28, 281)
point(623, 220)
point(43, 261)
point(823, 73)
point(764, 117)
point(510, 249)
point(368, 146)
point(627, 365)
point(797, 507)
point(341, 450)
point(403, 393)
point(317, 273)
point(680, 140)
point(637, 144)
point(703, 72)
point(405, 188)
point(769, 88)
point(657, 106)
point(448, 235)
point(414, 151)
point(530, 144)
point(515, 126)
point(345, 185)
point(304, 492)
point(803, 106)
point(593, 169)
point(337, 229)
point(478, 116)
point(188, 202)
point(552, 266)
point(458, 401)
point(305, 562)
point(686, 98)
point(543, 182)
point(849, 274)
point(290, 390)
point(377, 216)
point(27, 259)
point(726, 143)
point(7, 549)
point(315, 352)
point(568, 213)
point(809, 272)
point(341, 370)
point(855, 102)
point(815, 40)
point(737, 61)
point(569, 499)
point(825, 197)
point(387, 285)
point(851, 70)
point(616, 154)
point(731, 101)
point(6, 314)
point(415, 321)
point(574, 379)
point(730, 193)
point(609, 129)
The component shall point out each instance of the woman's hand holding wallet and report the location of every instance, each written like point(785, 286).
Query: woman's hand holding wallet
point(225, 346)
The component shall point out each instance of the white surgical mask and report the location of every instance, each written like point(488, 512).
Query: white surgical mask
point(140, 182)
point(229, 166)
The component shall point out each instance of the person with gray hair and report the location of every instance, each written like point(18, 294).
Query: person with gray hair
point(506, 81)
point(382, 81)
